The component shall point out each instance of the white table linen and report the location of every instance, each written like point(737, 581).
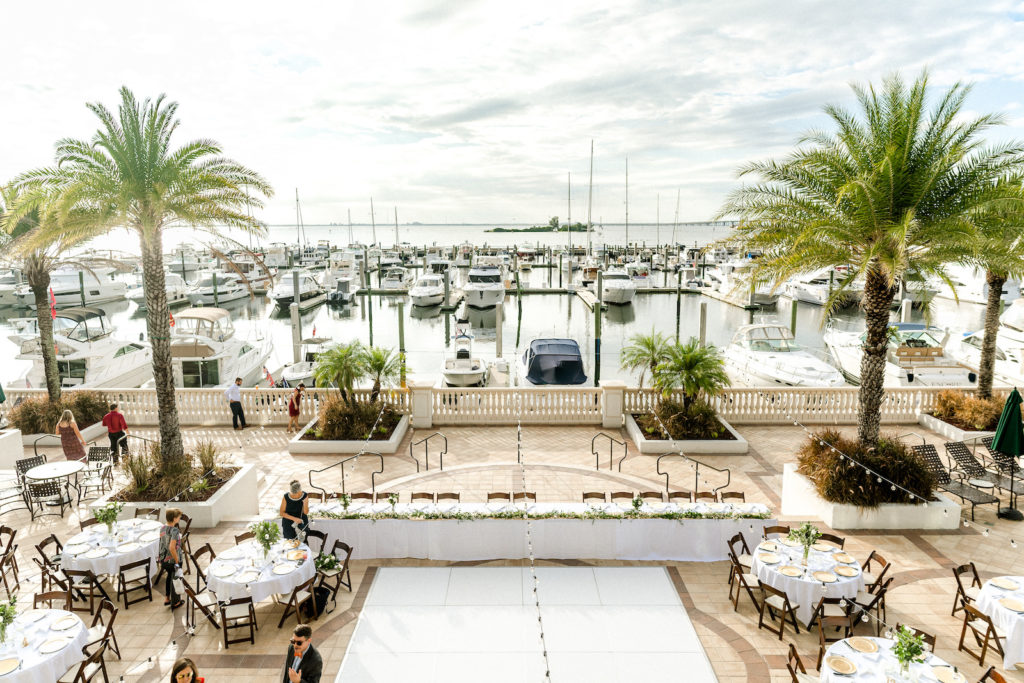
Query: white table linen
point(694, 540)
point(878, 666)
point(55, 470)
point(805, 591)
point(125, 531)
point(36, 666)
point(267, 583)
point(1012, 623)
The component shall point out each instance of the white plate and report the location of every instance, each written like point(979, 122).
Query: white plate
point(83, 537)
point(284, 569)
point(33, 615)
point(128, 547)
point(247, 576)
point(64, 623)
point(77, 549)
point(150, 536)
point(54, 645)
point(96, 553)
point(222, 571)
point(233, 553)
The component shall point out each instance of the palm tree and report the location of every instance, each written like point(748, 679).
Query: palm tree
point(342, 365)
point(129, 176)
point(893, 191)
point(383, 365)
point(644, 352)
point(697, 370)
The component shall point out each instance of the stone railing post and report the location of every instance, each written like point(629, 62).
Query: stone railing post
point(612, 392)
point(421, 414)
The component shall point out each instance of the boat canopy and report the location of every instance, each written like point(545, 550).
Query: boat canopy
point(554, 361)
point(211, 322)
point(766, 338)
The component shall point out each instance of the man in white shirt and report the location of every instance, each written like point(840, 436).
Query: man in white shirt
point(234, 396)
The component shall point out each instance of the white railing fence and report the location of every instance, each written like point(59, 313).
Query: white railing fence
point(493, 406)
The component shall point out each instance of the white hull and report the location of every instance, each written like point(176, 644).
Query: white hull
point(483, 298)
point(752, 371)
point(618, 294)
point(208, 298)
point(114, 291)
point(946, 374)
point(469, 378)
point(8, 296)
point(427, 299)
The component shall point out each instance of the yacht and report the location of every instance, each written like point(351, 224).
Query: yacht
point(818, 287)
point(767, 355)
point(428, 291)
point(185, 261)
point(463, 370)
point(396, 278)
point(277, 255)
point(294, 374)
point(617, 287)
point(552, 362)
point(78, 287)
point(734, 284)
point(216, 288)
point(916, 357)
point(9, 281)
point(87, 354)
point(639, 273)
point(1009, 364)
point(971, 286)
point(177, 292)
point(311, 293)
point(206, 353)
point(484, 288)
point(257, 274)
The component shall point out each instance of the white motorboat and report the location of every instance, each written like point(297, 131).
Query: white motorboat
point(294, 374)
point(78, 287)
point(259, 276)
point(734, 284)
point(617, 287)
point(485, 287)
point(590, 269)
point(311, 293)
point(463, 370)
point(551, 362)
point(916, 357)
point(177, 292)
point(185, 261)
point(217, 288)
point(206, 353)
point(971, 287)
point(397, 278)
point(639, 273)
point(818, 287)
point(87, 354)
point(277, 255)
point(428, 291)
point(9, 281)
point(767, 355)
point(1009, 363)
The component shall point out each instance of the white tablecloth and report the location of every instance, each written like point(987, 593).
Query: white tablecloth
point(805, 591)
point(127, 531)
point(879, 666)
point(687, 540)
point(250, 556)
point(35, 666)
point(1009, 621)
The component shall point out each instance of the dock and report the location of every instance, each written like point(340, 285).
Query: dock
point(731, 300)
point(588, 298)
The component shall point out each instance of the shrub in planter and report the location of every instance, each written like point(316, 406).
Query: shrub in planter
point(40, 415)
point(967, 412)
point(694, 421)
point(194, 478)
point(838, 480)
point(342, 420)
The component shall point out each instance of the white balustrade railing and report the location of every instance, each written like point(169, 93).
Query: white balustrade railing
point(540, 405)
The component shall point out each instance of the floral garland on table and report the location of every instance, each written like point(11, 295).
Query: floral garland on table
point(593, 513)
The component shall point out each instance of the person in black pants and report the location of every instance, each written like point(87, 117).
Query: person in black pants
point(234, 396)
point(170, 554)
point(116, 429)
point(294, 510)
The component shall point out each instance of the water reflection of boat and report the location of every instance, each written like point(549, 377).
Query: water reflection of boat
point(425, 312)
point(484, 321)
point(620, 315)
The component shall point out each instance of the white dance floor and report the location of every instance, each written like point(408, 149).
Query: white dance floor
point(456, 624)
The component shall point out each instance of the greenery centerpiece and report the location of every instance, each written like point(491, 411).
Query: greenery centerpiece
point(806, 535)
point(7, 615)
point(108, 515)
point(267, 533)
point(346, 501)
point(908, 648)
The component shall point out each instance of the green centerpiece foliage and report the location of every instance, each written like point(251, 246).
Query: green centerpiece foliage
point(7, 615)
point(346, 500)
point(267, 533)
point(108, 515)
point(326, 562)
point(806, 535)
point(908, 647)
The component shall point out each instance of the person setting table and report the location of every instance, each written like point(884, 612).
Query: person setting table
point(303, 664)
point(294, 510)
point(170, 557)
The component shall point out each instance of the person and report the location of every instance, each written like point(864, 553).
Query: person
point(294, 510)
point(70, 438)
point(295, 407)
point(234, 396)
point(170, 556)
point(184, 671)
point(303, 663)
point(117, 427)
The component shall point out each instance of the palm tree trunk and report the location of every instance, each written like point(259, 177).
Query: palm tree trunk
point(39, 283)
point(159, 327)
point(986, 367)
point(375, 392)
point(877, 298)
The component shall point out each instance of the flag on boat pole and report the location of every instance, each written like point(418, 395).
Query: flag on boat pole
point(172, 318)
point(53, 305)
point(270, 378)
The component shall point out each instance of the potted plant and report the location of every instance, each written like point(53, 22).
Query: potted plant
point(108, 515)
point(393, 500)
point(267, 533)
point(346, 500)
point(907, 648)
point(7, 615)
point(806, 535)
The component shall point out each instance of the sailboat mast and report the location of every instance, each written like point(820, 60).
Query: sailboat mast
point(568, 221)
point(590, 197)
point(300, 229)
point(373, 222)
point(350, 227)
point(396, 227)
point(627, 207)
point(676, 221)
point(658, 224)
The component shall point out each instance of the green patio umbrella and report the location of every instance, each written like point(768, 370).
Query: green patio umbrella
point(1009, 440)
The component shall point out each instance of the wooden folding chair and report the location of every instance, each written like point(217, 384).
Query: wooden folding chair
point(986, 634)
point(449, 495)
point(705, 496)
point(742, 579)
point(89, 668)
point(301, 594)
point(9, 568)
point(796, 668)
point(781, 530)
point(385, 496)
point(63, 598)
point(656, 496)
point(928, 638)
point(132, 578)
point(237, 614)
point(334, 579)
point(970, 593)
point(680, 497)
point(499, 495)
point(776, 601)
point(201, 581)
point(84, 584)
point(421, 495)
point(315, 535)
point(617, 496)
point(204, 602)
point(362, 495)
point(103, 628)
point(874, 577)
point(524, 495)
point(844, 629)
point(838, 541)
point(595, 497)
point(726, 496)
point(148, 513)
point(243, 537)
point(993, 676)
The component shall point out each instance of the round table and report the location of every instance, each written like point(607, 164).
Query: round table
point(93, 548)
point(243, 570)
point(1010, 621)
point(879, 666)
point(55, 470)
point(804, 590)
point(39, 627)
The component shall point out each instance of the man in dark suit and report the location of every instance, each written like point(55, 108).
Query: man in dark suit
point(303, 663)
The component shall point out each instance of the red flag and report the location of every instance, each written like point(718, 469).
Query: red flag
point(314, 330)
point(172, 318)
point(270, 378)
point(53, 305)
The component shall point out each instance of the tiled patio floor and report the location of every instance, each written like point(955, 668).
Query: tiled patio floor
point(921, 594)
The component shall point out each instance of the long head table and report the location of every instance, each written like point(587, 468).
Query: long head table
point(476, 536)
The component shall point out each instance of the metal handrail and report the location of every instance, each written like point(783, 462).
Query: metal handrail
point(426, 450)
point(611, 451)
point(35, 443)
point(920, 436)
point(373, 475)
point(324, 469)
point(696, 471)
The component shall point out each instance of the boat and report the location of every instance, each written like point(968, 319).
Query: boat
point(311, 293)
point(591, 267)
point(216, 288)
point(205, 352)
point(87, 354)
point(9, 281)
point(185, 261)
point(617, 287)
point(78, 287)
point(818, 287)
point(970, 286)
point(639, 273)
point(277, 255)
point(915, 357)
point(484, 287)
point(428, 291)
point(734, 278)
point(396, 277)
point(1009, 363)
point(258, 275)
point(552, 362)
point(767, 355)
point(293, 374)
point(463, 370)
point(175, 286)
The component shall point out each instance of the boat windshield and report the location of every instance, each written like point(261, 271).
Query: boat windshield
point(485, 278)
point(222, 281)
point(770, 340)
point(616, 276)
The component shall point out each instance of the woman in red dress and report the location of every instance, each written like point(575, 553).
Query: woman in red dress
point(70, 438)
point(294, 408)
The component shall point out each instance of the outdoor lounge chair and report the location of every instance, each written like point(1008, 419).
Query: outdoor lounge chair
point(1009, 476)
point(970, 466)
point(966, 493)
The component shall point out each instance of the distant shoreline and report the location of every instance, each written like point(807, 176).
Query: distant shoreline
point(578, 227)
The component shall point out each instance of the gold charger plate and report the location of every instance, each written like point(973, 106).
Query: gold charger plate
point(293, 543)
point(9, 665)
point(150, 536)
point(96, 553)
point(825, 577)
point(769, 558)
point(790, 570)
point(845, 558)
point(1005, 583)
point(284, 569)
point(823, 547)
point(128, 547)
point(843, 570)
point(77, 548)
point(865, 645)
point(841, 665)
point(789, 542)
point(1012, 605)
point(64, 623)
point(247, 576)
point(296, 554)
point(945, 674)
point(54, 645)
point(769, 546)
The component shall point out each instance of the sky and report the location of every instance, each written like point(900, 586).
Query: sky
point(477, 112)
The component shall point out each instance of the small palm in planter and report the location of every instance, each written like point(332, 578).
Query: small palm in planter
point(806, 535)
point(267, 533)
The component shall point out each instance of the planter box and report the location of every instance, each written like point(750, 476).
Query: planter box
point(297, 446)
point(947, 430)
point(11, 448)
point(91, 433)
point(738, 446)
point(238, 498)
point(800, 499)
